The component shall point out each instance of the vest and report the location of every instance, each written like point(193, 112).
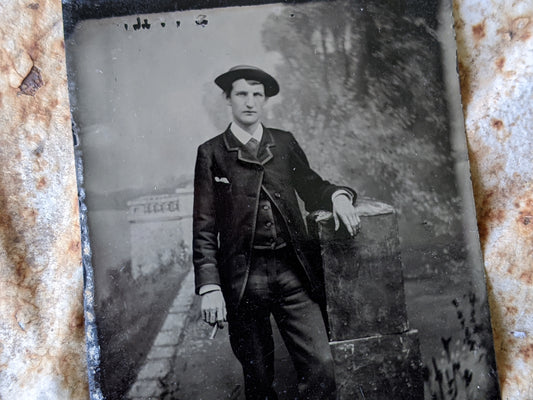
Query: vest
point(270, 229)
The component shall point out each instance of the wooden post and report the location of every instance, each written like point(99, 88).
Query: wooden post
point(376, 355)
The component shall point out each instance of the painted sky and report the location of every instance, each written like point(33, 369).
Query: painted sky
point(139, 97)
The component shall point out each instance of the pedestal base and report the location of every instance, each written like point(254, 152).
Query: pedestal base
point(381, 367)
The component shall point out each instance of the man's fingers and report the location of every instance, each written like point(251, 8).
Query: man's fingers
point(347, 223)
point(355, 223)
point(336, 219)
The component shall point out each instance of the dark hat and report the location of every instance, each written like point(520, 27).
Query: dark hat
point(248, 72)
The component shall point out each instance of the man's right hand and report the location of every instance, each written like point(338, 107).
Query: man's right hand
point(214, 308)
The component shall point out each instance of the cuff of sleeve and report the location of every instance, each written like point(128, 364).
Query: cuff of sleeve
point(341, 192)
point(208, 288)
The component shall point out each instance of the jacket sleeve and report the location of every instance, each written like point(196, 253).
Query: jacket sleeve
point(312, 189)
point(205, 229)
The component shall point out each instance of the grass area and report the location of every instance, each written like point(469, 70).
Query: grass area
point(131, 316)
point(455, 340)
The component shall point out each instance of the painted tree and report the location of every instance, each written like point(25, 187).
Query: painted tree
point(362, 91)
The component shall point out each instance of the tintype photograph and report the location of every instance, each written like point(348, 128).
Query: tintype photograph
point(277, 202)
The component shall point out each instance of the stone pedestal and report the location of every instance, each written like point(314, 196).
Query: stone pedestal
point(376, 355)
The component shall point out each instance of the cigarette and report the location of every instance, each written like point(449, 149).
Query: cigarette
point(214, 332)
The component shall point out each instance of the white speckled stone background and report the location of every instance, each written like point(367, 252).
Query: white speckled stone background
point(42, 342)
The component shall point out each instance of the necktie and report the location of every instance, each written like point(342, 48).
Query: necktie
point(252, 146)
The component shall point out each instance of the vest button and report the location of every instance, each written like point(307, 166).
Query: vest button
point(268, 224)
point(277, 195)
point(266, 207)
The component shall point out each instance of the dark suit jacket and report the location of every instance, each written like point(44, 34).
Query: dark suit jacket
point(227, 185)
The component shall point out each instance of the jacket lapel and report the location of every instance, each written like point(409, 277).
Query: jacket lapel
point(264, 154)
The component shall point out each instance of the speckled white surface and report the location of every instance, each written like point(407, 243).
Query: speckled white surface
point(495, 49)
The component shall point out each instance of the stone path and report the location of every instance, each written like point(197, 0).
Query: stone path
point(158, 364)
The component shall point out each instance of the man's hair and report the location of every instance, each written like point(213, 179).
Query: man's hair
point(227, 92)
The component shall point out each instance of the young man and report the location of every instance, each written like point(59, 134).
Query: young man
point(251, 252)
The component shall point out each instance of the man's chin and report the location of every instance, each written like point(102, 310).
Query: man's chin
point(248, 121)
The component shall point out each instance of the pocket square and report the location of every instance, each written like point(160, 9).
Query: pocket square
point(221, 180)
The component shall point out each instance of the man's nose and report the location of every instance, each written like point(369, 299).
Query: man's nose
point(250, 101)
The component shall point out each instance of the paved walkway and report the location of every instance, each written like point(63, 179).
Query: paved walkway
point(158, 364)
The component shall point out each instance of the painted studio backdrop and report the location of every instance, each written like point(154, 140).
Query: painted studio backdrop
point(365, 91)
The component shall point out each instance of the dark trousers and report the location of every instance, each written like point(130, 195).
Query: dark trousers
point(275, 288)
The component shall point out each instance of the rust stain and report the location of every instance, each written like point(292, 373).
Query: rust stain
point(33, 6)
point(490, 214)
point(479, 31)
point(521, 26)
point(76, 319)
point(511, 310)
point(527, 352)
point(500, 62)
point(527, 277)
point(32, 82)
point(496, 123)
point(74, 246)
point(518, 29)
point(465, 80)
point(525, 215)
point(41, 184)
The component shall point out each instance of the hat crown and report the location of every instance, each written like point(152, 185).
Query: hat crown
point(243, 66)
point(248, 72)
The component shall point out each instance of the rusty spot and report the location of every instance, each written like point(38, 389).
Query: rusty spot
point(479, 31)
point(74, 246)
point(21, 269)
point(496, 123)
point(76, 319)
point(31, 83)
point(511, 310)
point(520, 26)
point(527, 277)
point(489, 212)
point(500, 62)
point(41, 184)
point(525, 215)
point(527, 351)
point(465, 79)
point(518, 29)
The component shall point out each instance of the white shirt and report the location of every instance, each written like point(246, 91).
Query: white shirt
point(243, 136)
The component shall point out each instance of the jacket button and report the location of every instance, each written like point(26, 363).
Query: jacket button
point(268, 224)
point(266, 207)
point(277, 195)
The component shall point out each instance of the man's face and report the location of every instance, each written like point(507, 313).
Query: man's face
point(247, 99)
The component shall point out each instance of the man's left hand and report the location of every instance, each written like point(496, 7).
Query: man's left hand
point(343, 210)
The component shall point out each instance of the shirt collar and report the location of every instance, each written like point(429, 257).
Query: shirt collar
point(243, 136)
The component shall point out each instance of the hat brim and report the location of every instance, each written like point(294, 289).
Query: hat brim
point(226, 80)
